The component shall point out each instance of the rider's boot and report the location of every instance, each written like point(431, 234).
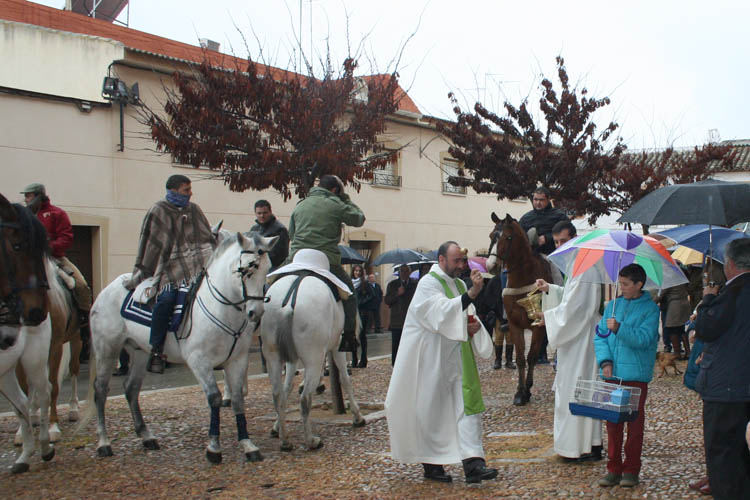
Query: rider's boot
point(157, 362)
point(348, 342)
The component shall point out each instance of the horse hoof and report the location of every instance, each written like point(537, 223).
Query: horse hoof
point(320, 389)
point(49, 456)
point(214, 458)
point(151, 444)
point(104, 451)
point(359, 423)
point(316, 444)
point(54, 436)
point(274, 433)
point(226, 403)
point(518, 400)
point(286, 447)
point(19, 468)
point(254, 456)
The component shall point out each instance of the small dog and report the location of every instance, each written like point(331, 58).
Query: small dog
point(665, 359)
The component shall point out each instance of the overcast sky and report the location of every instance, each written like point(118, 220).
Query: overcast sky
point(673, 69)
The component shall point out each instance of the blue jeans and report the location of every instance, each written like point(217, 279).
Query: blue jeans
point(160, 318)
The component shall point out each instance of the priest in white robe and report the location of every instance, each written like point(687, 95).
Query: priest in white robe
point(434, 404)
point(571, 314)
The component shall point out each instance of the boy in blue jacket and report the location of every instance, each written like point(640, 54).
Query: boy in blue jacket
point(629, 354)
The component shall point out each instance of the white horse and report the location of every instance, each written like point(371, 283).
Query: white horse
point(306, 332)
point(218, 330)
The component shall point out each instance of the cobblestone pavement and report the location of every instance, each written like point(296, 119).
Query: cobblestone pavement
point(354, 463)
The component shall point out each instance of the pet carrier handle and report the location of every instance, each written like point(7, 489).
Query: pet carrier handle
point(612, 378)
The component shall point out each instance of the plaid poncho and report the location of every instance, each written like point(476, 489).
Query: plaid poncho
point(175, 245)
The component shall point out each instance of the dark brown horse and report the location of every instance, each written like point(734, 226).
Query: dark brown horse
point(511, 246)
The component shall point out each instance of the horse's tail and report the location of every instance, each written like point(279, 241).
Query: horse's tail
point(64, 369)
point(284, 328)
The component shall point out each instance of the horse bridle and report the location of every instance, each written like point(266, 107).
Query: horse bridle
point(493, 242)
point(244, 272)
point(11, 305)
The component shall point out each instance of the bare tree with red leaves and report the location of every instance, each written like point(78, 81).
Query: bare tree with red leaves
point(511, 155)
point(638, 174)
point(260, 127)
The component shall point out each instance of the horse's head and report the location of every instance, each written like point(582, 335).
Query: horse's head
point(252, 265)
point(507, 238)
point(23, 282)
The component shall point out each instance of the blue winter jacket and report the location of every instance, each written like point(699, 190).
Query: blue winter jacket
point(632, 350)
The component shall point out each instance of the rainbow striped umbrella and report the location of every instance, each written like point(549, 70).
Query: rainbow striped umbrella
point(598, 256)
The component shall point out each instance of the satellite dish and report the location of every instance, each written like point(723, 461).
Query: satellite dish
point(107, 10)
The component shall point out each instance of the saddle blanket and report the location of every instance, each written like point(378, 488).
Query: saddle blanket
point(141, 313)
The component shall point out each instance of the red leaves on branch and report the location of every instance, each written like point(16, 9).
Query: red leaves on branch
point(640, 173)
point(511, 155)
point(263, 128)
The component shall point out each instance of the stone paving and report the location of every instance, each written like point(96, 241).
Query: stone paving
point(353, 463)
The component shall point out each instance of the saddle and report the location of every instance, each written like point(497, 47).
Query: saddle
point(292, 292)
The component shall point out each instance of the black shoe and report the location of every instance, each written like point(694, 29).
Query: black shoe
point(510, 365)
point(348, 342)
point(362, 364)
point(543, 361)
point(436, 473)
point(498, 364)
point(481, 474)
point(121, 372)
point(156, 363)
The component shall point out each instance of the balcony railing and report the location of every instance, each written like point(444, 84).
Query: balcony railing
point(382, 179)
point(450, 188)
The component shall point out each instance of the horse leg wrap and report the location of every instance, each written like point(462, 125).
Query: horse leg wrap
point(213, 429)
point(241, 427)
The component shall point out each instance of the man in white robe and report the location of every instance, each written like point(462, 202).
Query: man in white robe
point(434, 400)
point(571, 314)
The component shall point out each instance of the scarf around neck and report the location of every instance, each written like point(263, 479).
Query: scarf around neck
point(177, 199)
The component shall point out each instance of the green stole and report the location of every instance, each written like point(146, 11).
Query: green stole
point(472, 390)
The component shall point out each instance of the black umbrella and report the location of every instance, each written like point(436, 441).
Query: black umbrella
point(398, 256)
point(711, 201)
point(350, 256)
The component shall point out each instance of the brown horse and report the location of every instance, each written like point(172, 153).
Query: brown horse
point(24, 322)
point(524, 266)
point(65, 328)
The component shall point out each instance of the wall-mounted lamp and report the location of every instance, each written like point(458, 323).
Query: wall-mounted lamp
point(115, 90)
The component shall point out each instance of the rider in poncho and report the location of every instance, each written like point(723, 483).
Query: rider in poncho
point(175, 245)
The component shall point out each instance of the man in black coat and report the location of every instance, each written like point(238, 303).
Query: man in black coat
point(723, 381)
point(266, 224)
point(542, 218)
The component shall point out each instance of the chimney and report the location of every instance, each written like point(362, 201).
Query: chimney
point(209, 44)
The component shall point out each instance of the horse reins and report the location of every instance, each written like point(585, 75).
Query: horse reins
point(244, 272)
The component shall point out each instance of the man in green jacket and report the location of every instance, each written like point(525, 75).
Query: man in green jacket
point(316, 223)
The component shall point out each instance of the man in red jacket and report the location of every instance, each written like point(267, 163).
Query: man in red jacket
point(60, 236)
